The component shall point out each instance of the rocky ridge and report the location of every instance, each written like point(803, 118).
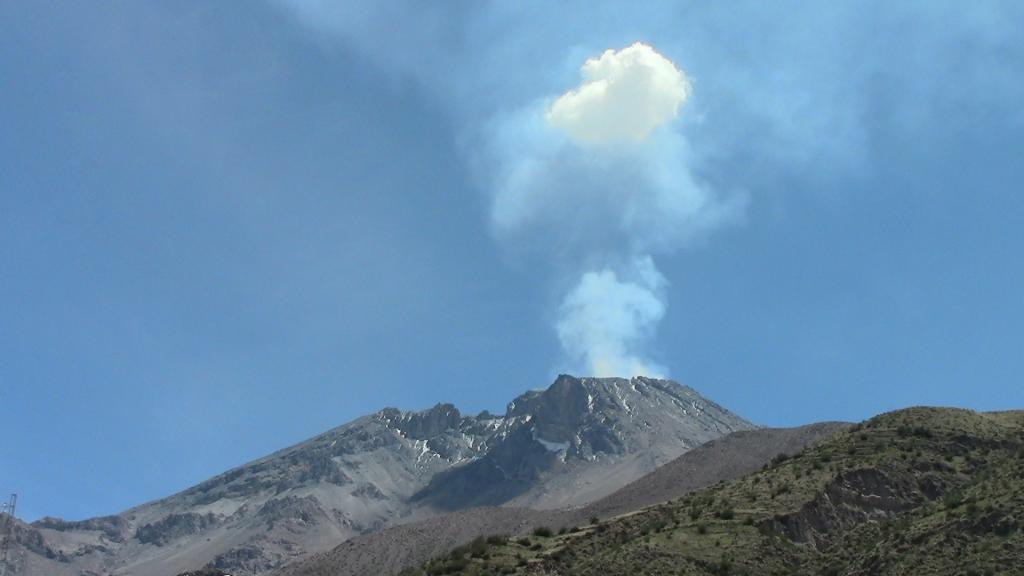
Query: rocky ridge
point(576, 441)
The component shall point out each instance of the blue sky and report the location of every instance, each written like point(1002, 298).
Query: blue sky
point(227, 227)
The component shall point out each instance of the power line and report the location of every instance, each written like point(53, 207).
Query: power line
point(6, 530)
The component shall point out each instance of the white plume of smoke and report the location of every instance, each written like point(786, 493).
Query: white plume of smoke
point(605, 319)
point(601, 177)
point(592, 193)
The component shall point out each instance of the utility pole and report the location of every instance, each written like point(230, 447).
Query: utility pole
point(6, 530)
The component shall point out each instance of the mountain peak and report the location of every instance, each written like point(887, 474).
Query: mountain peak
point(570, 443)
point(570, 398)
point(425, 424)
point(606, 426)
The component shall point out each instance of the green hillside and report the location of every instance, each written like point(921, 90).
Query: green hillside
point(919, 491)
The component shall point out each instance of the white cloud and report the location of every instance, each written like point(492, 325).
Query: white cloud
point(624, 96)
point(606, 318)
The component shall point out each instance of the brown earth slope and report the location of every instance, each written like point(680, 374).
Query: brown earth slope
point(921, 491)
point(394, 549)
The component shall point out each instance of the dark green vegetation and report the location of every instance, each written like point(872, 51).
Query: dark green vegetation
point(919, 491)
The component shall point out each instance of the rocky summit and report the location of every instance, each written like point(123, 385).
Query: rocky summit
point(574, 442)
point(580, 440)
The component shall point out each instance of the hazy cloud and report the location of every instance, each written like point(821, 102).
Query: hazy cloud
point(625, 197)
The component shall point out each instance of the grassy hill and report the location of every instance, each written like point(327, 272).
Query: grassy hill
point(918, 491)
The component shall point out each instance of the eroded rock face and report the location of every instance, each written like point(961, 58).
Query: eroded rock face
point(205, 572)
point(174, 526)
point(114, 528)
point(563, 407)
point(426, 424)
point(296, 513)
point(31, 539)
point(852, 498)
point(259, 556)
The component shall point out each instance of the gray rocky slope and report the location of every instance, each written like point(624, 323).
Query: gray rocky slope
point(575, 442)
point(389, 551)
